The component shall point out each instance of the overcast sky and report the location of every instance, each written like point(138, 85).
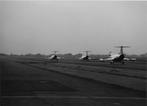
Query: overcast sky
point(44, 26)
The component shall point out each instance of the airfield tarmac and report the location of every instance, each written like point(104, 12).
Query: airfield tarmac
point(36, 82)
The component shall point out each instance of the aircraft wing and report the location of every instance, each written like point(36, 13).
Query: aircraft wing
point(109, 58)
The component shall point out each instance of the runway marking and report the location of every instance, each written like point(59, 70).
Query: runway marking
point(77, 97)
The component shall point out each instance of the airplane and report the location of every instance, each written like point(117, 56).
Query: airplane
point(117, 58)
point(54, 57)
point(85, 57)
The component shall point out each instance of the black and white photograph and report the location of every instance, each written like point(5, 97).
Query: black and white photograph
point(73, 53)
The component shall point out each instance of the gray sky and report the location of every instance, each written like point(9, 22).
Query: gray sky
point(41, 27)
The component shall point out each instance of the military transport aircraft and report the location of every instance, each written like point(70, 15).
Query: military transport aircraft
point(85, 57)
point(54, 57)
point(114, 58)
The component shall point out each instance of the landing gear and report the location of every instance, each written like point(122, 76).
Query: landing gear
point(55, 61)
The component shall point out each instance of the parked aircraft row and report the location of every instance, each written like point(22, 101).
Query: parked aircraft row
point(112, 58)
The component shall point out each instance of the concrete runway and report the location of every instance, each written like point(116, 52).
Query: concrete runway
point(25, 84)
